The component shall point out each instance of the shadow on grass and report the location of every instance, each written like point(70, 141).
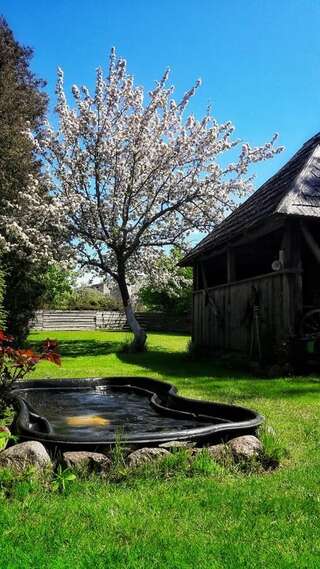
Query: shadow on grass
point(210, 376)
point(88, 348)
point(213, 377)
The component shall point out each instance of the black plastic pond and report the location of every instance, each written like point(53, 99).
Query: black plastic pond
point(138, 411)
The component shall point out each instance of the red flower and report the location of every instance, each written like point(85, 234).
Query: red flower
point(4, 337)
point(49, 345)
point(16, 363)
point(52, 357)
point(25, 357)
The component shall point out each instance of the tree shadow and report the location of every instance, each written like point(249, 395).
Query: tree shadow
point(82, 347)
point(217, 378)
point(180, 364)
point(206, 375)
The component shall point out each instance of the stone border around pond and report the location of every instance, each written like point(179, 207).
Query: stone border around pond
point(20, 457)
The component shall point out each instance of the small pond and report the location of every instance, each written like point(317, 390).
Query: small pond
point(138, 411)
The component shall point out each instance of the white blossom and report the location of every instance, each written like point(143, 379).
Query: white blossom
point(133, 173)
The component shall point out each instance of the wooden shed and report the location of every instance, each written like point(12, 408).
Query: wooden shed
point(257, 275)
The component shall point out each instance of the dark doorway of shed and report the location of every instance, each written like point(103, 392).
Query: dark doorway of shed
point(256, 258)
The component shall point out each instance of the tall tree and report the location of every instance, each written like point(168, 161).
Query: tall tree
point(133, 174)
point(28, 216)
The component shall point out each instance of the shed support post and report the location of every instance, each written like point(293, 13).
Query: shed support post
point(291, 246)
point(231, 265)
point(195, 274)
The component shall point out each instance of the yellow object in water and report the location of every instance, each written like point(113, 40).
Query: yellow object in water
point(87, 421)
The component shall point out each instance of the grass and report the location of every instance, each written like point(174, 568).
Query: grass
point(210, 519)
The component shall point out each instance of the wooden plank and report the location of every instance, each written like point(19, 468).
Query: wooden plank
point(254, 279)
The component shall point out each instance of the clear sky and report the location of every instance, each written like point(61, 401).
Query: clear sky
point(259, 60)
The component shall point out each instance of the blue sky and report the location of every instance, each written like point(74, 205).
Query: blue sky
point(259, 61)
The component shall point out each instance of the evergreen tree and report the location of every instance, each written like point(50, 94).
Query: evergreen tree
point(22, 107)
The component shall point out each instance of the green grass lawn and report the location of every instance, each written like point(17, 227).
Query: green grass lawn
point(223, 520)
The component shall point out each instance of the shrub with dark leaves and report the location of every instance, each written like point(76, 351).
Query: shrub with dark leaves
point(16, 363)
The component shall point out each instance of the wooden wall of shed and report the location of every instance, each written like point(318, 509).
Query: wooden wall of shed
point(223, 315)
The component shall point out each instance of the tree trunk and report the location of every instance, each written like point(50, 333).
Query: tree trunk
point(140, 336)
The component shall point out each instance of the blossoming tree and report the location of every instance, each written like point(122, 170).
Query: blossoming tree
point(134, 174)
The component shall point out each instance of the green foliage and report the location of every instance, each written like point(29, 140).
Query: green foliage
point(204, 465)
point(179, 463)
point(60, 293)
point(22, 296)
point(22, 105)
point(87, 298)
point(118, 470)
point(5, 437)
point(19, 485)
point(168, 287)
point(6, 419)
point(58, 284)
point(62, 479)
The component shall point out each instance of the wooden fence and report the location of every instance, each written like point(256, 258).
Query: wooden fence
point(107, 320)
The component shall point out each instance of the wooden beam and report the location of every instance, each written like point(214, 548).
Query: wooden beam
point(292, 260)
point(291, 245)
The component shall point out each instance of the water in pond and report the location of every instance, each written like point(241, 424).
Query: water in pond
point(98, 412)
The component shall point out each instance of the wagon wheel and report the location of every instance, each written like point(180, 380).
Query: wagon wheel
point(310, 323)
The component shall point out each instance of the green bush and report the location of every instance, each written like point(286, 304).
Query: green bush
point(57, 288)
point(22, 293)
point(91, 299)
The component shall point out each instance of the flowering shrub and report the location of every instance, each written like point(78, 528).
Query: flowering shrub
point(16, 363)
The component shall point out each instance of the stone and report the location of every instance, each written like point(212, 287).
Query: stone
point(145, 455)
point(219, 452)
point(23, 455)
point(172, 445)
point(87, 462)
point(245, 447)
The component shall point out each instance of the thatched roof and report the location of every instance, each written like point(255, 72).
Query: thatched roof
point(293, 190)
